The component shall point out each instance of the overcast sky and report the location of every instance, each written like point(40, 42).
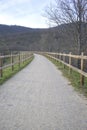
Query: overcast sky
point(23, 12)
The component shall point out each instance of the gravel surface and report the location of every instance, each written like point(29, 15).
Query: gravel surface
point(40, 98)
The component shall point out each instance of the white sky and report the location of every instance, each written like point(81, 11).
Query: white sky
point(23, 12)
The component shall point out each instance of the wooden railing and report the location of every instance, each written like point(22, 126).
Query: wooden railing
point(13, 59)
point(67, 59)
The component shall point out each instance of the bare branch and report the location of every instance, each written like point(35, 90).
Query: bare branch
point(69, 11)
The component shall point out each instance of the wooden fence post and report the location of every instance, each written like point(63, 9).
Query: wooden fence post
point(70, 62)
point(12, 61)
point(29, 55)
point(82, 68)
point(55, 57)
point(1, 64)
point(25, 55)
point(22, 57)
point(60, 57)
point(64, 59)
point(19, 59)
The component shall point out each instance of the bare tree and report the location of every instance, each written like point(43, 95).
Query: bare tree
point(69, 11)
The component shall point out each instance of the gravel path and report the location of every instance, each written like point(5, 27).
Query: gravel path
point(40, 98)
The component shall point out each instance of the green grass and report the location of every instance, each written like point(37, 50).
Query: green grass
point(8, 73)
point(73, 77)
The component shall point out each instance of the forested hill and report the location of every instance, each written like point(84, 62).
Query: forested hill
point(19, 37)
point(60, 39)
point(12, 29)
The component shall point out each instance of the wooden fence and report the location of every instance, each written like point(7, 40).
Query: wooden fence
point(61, 57)
point(13, 59)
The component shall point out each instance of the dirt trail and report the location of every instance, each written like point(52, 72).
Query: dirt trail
point(40, 98)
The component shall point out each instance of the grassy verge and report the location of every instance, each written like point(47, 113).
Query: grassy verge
point(8, 73)
point(74, 77)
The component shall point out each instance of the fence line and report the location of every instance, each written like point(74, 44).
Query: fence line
point(61, 58)
point(13, 59)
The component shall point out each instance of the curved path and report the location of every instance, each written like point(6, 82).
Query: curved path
point(40, 98)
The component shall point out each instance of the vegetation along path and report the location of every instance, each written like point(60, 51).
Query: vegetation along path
point(40, 98)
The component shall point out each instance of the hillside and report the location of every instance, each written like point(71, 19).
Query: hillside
point(6, 29)
point(60, 39)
